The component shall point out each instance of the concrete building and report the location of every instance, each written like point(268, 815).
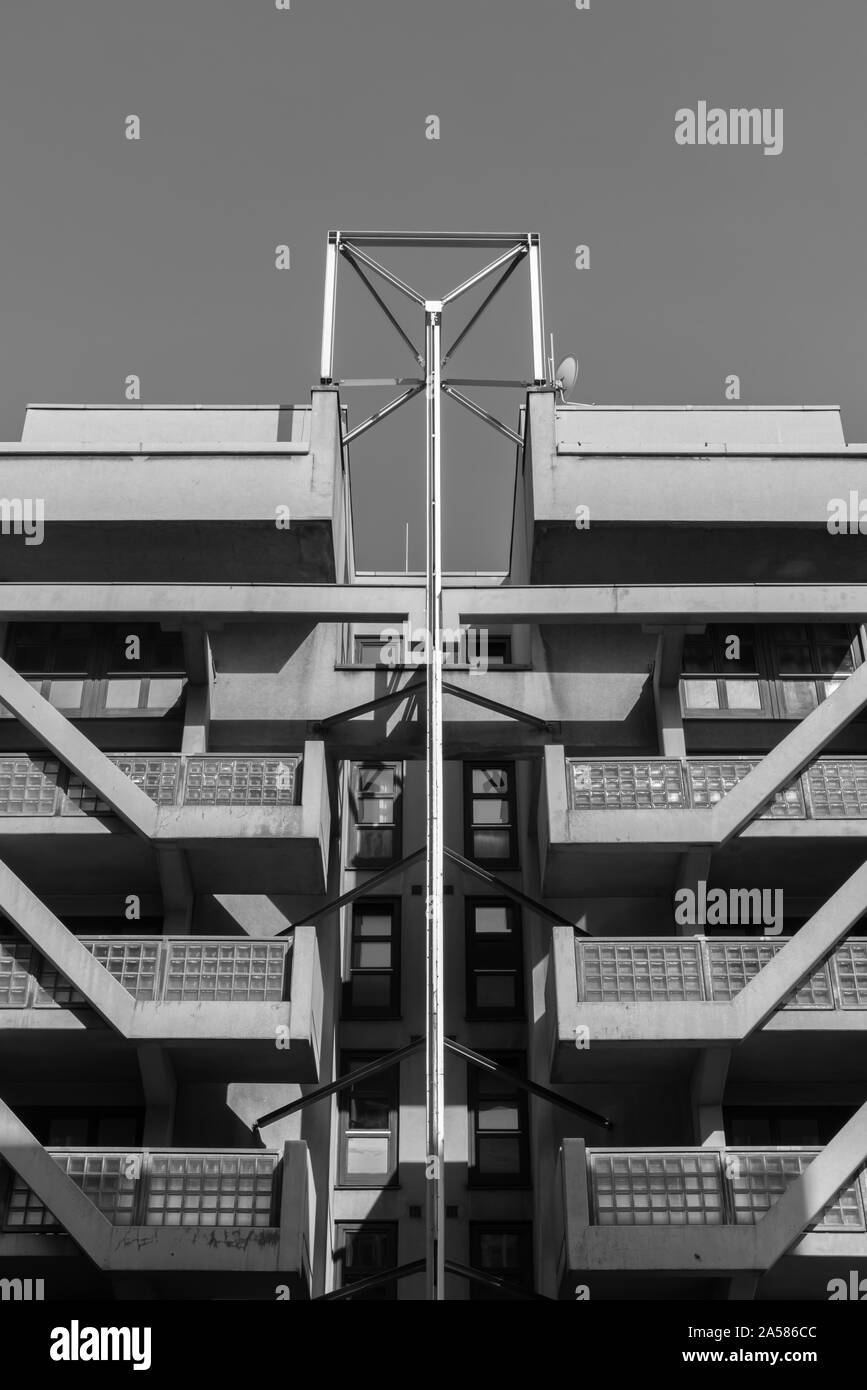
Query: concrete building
point(197, 763)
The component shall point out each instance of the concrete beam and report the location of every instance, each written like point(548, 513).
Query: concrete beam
point(653, 603)
point(213, 603)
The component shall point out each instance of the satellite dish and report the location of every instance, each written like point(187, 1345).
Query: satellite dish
point(566, 375)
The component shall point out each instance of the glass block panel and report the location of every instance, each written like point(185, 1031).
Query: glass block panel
point(108, 1180)
point(209, 1189)
point(16, 974)
point(613, 785)
point(710, 781)
point(240, 781)
point(134, 964)
point(28, 786)
point(758, 1179)
point(734, 963)
point(632, 971)
point(231, 971)
point(850, 961)
point(838, 788)
point(659, 1189)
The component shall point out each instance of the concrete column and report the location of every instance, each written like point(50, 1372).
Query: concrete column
point(693, 868)
point(707, 1087)
point(160, 1087)
point(666, 693)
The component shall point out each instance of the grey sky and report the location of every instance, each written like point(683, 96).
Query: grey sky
point(261, 127)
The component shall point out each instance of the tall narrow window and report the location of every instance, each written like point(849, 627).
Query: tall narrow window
point(364, 1248)
point(490, 830)
point(373, 987)
point(494, 959)
point(504, 1249)
point(375, 790)
point(499, 1129)
point(368, 1126)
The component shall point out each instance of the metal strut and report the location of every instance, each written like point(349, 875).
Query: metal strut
point(434, 974)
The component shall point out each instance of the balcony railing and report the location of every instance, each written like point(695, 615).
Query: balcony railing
point(829, 789)
point(703, 969)
point(189, 969)
point(156, 1187)
point(35, 785)
point(708, 1187)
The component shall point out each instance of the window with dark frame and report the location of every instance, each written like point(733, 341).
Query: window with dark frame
point(365, 1248)
point(778, 672)
point(490, 815)
point(375, 805)
point(504, 1249)
point(368, 1125)
point(499, 1126)
point(770, 1126)
point(373, 988)
point(83, 669)
point(495, 959)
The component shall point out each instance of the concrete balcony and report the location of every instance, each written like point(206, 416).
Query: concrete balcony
point(680, 991)
point(241, 1219)
point(613, 825)
point(701, 1213)
point(186, 991)
point(241, 820)
point(725, 477)
point(191, 491)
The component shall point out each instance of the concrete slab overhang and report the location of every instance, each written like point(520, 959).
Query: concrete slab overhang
point(193, 496)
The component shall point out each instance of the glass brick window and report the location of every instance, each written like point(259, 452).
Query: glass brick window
point(495, 959)
point(84, 668)
point(365, 1248)
point(373, 987)
point(781, 671)
point(499, 1126)
point(368, 1126)
point(490, 815)
point(375, 803)
point(504, 1249)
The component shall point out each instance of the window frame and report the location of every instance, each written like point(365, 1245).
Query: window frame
point(476, 1078)
point(392, 1010)
point(386, 1293)
point(471, 827)
point(483, 1293)
point(98, 667)
point(476, 1012)
point(354, 860)
point(766, 638)
point(388, 1082)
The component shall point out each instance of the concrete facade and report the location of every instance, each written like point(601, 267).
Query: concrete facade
point(180, 814)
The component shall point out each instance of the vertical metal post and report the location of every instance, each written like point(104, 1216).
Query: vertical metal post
point(326, 365)
point(537, 316)
point(435, 1054)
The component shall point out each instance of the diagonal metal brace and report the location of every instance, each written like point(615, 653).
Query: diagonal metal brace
point(476, 1059)
point(391, 1059)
